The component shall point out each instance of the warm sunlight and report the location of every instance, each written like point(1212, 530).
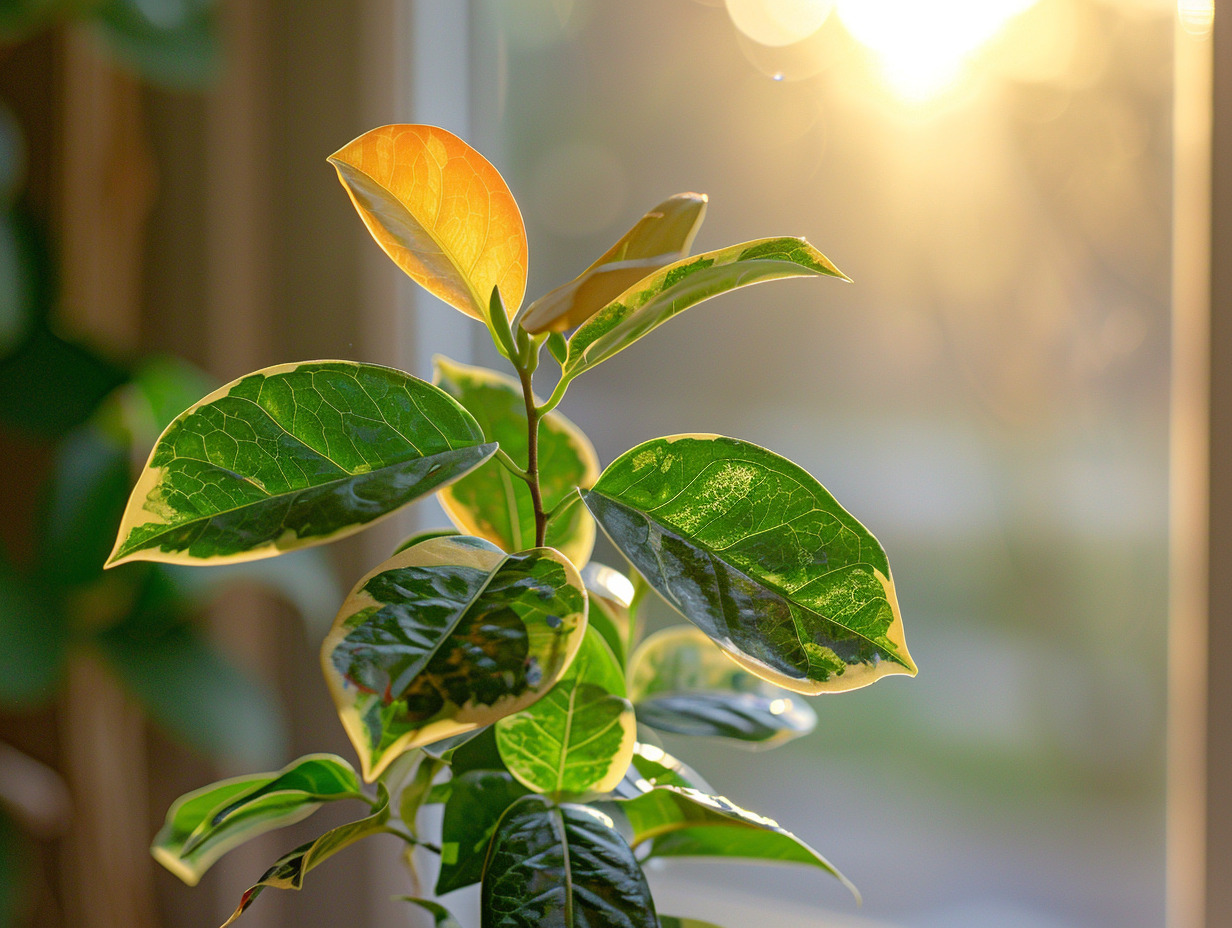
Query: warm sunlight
point(923, 47)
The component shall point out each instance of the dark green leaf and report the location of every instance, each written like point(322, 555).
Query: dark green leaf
point(294, 455)
point(651, 301)
point(471, 750)
point(18, 282)
point(579, 737)
point(289, 871)
point(611, 600)
point(16, 858)
point(477, 800)
point(689, 823)
point(448, 636)
point(562, 866)
point(170, 42)
point(681, 682)
point(672, 921)
point(663, 235)
point(493, 503)
point(203, 825)
point(760, 556)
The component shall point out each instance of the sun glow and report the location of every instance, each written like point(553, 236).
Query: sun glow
point(923, 47)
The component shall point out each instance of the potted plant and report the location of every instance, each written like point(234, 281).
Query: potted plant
point(492, 667)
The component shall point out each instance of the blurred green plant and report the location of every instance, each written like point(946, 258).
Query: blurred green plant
point(491, 668)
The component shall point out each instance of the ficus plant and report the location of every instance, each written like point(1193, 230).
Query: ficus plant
point(492, 667)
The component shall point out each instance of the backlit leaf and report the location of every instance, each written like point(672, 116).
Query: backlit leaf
point(653, 300)
point(493, 503)
point(289, 871)
point(681, 682)
point(611, 599)
point(477, 800)
point(446, 637)
point(663, 235)
point(562, 866)
point(579, 737)
point(203, 825)
point(294, 455)
point(652, 766)
point(440, 211)
point(689, 823)
point(672, 921)
point(760, 556)
point(441, 916)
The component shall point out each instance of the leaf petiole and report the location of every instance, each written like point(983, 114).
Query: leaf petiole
point(511, 465)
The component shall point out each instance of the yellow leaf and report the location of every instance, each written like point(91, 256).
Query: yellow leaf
point(441, 211)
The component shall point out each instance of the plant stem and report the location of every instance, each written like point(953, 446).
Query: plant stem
point(511, 465)
point(533, 415)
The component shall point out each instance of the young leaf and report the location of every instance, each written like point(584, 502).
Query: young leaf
point(663, 235)
point(448, 636)
point(294, 455)
point(653, 300)
point(493, 503)
point(611, 598)
point(579, 737)
point(672, 921)
point(477, 800)
point(562, 865)
point(440, 211)
point(681, 682)
point(760, 556)
point(289, 871)
point(689, 823)
point(203, 825)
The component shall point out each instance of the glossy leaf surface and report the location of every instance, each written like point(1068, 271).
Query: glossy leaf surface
point(665, 234)
point(562, 866)
point(652, 766)
point(653, 300)
point(493, 503)
point(477, 800)
point(294, 455)
point(440, 211)
point(681, 682)
point(449, 636)
point(611, 597)
point(204, 824)
point(579, 737)
point(689, 823)
point(760, 556)
point(288, 871)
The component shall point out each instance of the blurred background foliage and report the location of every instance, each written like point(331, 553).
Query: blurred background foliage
point(77, 420)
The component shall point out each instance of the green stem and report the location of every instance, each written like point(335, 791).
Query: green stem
point(511, 465)
point(533, 415)
point(557, 395)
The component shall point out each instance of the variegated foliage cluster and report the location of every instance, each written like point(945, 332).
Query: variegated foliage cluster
point(493, 667)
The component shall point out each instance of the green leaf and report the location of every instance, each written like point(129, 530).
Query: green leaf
point(562, 866)
point(415, 538)
point(18, 281)
point(441, 916)
point(203, 825)
point(294, 455)
point(681, 682)
point(174, 43)
point(448, 636)
point(193, 690)
point(760, 556)
point(689, 823)
point(493, 503)
point(663, 235)
point(289, 871)
point(611, 600)
point(477, 800)
point(558, 347)
point(417, 788)
point(579, 737)
point(652, 766)
point(17, 857)
point(650, 302)
point(672, 921)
